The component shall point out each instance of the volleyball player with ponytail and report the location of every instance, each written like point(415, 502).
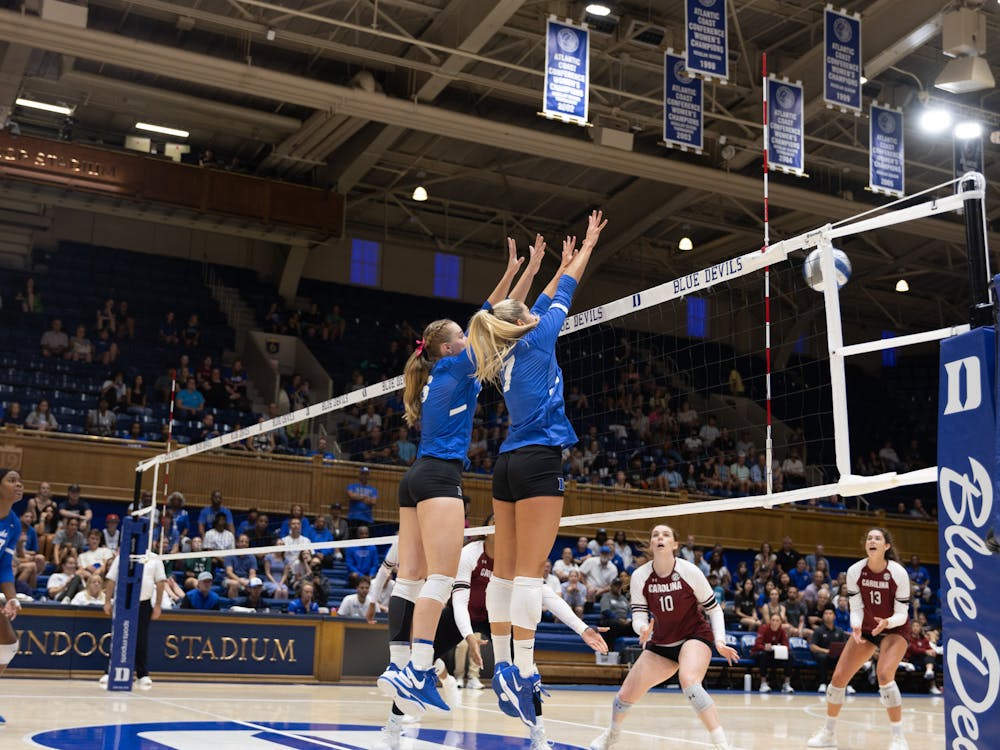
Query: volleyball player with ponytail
point(11, 491)
point(516, 348)
point(440, 392)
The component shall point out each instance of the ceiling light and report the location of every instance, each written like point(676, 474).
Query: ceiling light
point(935, 120)
point(419, 193)
point(162, 130)
point(902, 286)
point(271, 34)
point(598, 9)
point(685, 244)
point(32, 104)
point(967, 130)
point(863, 80)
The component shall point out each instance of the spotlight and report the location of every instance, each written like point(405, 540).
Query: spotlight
point(685, 244)
point(935, 120)
point(271, 34)
point(902, 286)
point(419, 193)
point(598, 9)
point(967, 130)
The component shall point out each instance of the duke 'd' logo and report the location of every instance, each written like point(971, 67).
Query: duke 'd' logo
point(967, 371)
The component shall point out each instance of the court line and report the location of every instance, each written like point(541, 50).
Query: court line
point(808, 710)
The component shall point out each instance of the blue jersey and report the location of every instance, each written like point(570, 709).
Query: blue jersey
point(10, 532)
point(532, 382)
point(448, 403)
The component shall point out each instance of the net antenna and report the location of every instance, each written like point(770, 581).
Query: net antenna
point(768, 441)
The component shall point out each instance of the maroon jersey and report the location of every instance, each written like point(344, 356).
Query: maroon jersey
point(475, 569)
point(674, 602)
point(885, 594)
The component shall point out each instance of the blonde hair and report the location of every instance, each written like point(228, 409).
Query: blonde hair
point(418, 368)
point(493, 334)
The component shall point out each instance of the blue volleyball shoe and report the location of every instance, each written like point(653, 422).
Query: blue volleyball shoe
point(519, 693)
point(505, 703)
point(393, 683)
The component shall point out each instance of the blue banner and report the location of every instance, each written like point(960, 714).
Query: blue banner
point(706, 42)
point(968, 482)
point(842, 60)
point(567, 72)
point(785, 127)
point(683, 108)
point(967, 157)
point(886, 170)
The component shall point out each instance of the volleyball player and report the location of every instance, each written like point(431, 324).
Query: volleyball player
point(515, 348)
point(878, 589)
point(677, 638)
point(440, 392)
point(11, 490)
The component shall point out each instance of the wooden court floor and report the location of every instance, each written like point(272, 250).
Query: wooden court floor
point(79, 715)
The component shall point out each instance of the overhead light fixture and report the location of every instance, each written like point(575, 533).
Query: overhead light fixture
point(967, 130)
point(599, 19)
point(598, 9)
point(964, 75)
point(963, 37)
point(863, 80)
point(935, 120)
point(161, 129)
point(59, 109)
point(902, 286)
point(271, 34)
point(419, 193)
point(685, 244)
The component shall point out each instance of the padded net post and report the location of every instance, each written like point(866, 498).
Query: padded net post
point(980, 308)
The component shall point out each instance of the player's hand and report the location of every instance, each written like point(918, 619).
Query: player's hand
point(157, 611)
point(513, 262)
point(731, 655)
point(568, 250)
point(882, 623)
point(11, 608)
point(593, 639)
point(475, 648)
point(595, 225)
point(646, 633)
point(856, 635)
point(537, 252)
point(370, 614)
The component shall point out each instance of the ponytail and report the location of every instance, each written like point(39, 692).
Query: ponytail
point(418, 368)
point(492, 335)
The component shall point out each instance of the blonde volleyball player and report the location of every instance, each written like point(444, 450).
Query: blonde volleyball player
point(668, 596)
point(878, 589)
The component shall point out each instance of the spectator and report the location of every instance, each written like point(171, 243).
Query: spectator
point(304, 605)
point(41, 418)
point(918, 510)
point(598, 573)
point(363, 561)
point(739, 474)
point(207, 516)
point(758, 476)
point(745, 606)
point(363, 498)
point(815, 557)
point(115, 391)
point(94, 560)
point(196, 566)
point(773, 606)
point(81, 348)
point(574, 592)
point(202, 596)
point(811, 591)
point(550, 579)
point(922, 651)
point(616, 613)
point(276, 574)
point(189, 401)
point(787, 556)
point(191, 333)
point(262, 443)
point(55, 342)
point(709, 432)
point(890, 459)
point(800, 575)
point(669, 479)
point(76, 507)
point(182, 519)
point(165, 537)
point(208, 429)
point(919, 576)
point(701, 562)
point(337, 525)
point(111, 534)
point(320, 534)
point(296, 541)
point(105, 318)
point(30, 298)
point(168, 330)
point(770, 635)
point(296, 511)
point(240, 569)
point(323, 450)
point(622, 549)
point(219, 537)
point(843, 613)
point(101, 421)
point(64, 584)
point(794, 471)
point(105, 348)
point(827, 644)
point(356, 604)
point(600, 540)
point(13, 415)
point(260, 535)
point(214, 390)
point(564, 565)
point(736, 383)
point(92, 595)
point(255, 596)
point(796, 611)
point(237, 382)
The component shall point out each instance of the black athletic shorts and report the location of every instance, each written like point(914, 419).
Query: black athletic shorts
point(448, 636)
point(672, 652)
point(876, 640)
point(531, 471)
point(430, 477)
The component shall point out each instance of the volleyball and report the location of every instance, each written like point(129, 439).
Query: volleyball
point(813, 274)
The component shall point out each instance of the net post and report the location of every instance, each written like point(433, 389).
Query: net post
point(981, 307)
point(835, 344)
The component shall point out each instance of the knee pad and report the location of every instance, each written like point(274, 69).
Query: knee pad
point(526, 602)
point(437, 587)
point(889, 695)
point(407, 588)
point(498, 592)
point(7, 652)
point(835, 695)
point(700, 700)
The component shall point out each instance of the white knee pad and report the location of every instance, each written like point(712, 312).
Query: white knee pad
point(835, 695)
point(437, 587)
point(498, 592)
point(407, 588)
point(700, 700)
point(7, 652)
point(526, 602)
point(889, 695)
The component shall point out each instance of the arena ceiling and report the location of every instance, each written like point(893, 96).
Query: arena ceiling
point(373, 97)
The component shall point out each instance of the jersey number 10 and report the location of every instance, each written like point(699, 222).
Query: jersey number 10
point(667, 603)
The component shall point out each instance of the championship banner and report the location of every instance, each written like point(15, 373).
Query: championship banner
point(968, 482)
point(683, 105)
point(842, 60)
point(785, 127)
point(967, 157)
point(886, 170)
point(128, 588)
point(567, 72)
point(706, 42)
